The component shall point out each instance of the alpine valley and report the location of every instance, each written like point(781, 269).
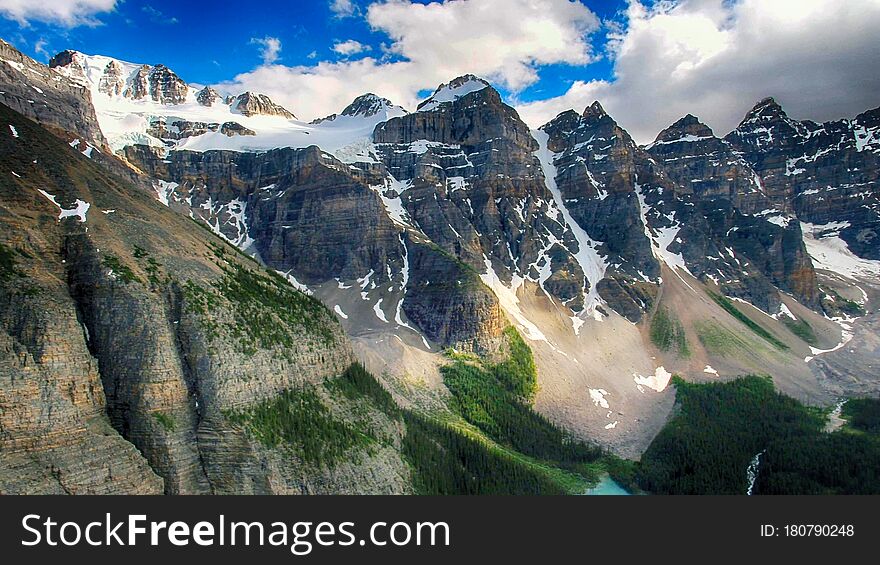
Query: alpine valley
point(200, 293)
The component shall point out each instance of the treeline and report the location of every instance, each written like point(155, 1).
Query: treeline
point(443, 457)
point(720, 427)
point(356, 382)
point(297, 420)
point(445, 461)
point(496, 398)
point(863, 414)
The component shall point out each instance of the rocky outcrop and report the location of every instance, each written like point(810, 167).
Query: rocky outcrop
point(166, 87)
point(231, 129)
point(139, 85)
point(302, 208)
point(644, 212)
point(182, 129)
point(449, 302)
point(158, 83)
point(250, 104)
point(305, 213)
point(707, 166)
point(822, 173)
point(208, 96)
point(33, 90)
point(112, 82)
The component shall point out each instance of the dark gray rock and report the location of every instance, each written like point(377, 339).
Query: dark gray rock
point(56, 101)
point(823, 173)
point(250, 104)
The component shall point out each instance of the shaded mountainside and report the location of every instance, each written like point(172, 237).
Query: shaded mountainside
point(823, 173)
point(37, 92)
point(131, 333)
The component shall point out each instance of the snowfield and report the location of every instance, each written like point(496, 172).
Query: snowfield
point(125, 121)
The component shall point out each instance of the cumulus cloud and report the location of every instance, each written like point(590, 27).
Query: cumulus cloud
point(68, 13)
point(350, 47)
point(717, 58)
point(343, 8)
point(270, 48)
point(502, 40)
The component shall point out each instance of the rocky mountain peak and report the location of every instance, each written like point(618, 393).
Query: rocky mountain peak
point(594, 111)
point(452, 91)
point(767, 110)
point(687, 127)
point(251, 104)
point(63, 103)
point(367, 105)
point(139, 84)
point(166, 87)
point(63, 59)
point(766, 124)
point(869, 119)
point(207, 96)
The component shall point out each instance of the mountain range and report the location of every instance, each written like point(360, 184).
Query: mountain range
point(177, 261)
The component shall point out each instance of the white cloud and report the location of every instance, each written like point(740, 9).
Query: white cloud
point(343, 8)
point(502, 40)
point(156, 16)
point(350, 47)
point(270, 48)
point(68, 13)
point(40, 48)
point(717, 58)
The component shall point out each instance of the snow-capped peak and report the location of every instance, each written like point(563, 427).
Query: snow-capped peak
point(452, 91)
point(367, 105)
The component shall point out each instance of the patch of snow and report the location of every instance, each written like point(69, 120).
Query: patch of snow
point(163, 190)
point(597, 395)
point(509, 300)
point(661, 238)
point(295, 283)
point(831, 253)
point(687, 138)
point(377, 308)
point(13, 130)
point(78, 211)
point(339, 311)
point(846, 336)
point(710, 371)
point(783, 311)
point(390, 194)
point(658, 381)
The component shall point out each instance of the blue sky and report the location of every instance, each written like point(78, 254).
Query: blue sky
point(648, 62)
point(207, 44)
